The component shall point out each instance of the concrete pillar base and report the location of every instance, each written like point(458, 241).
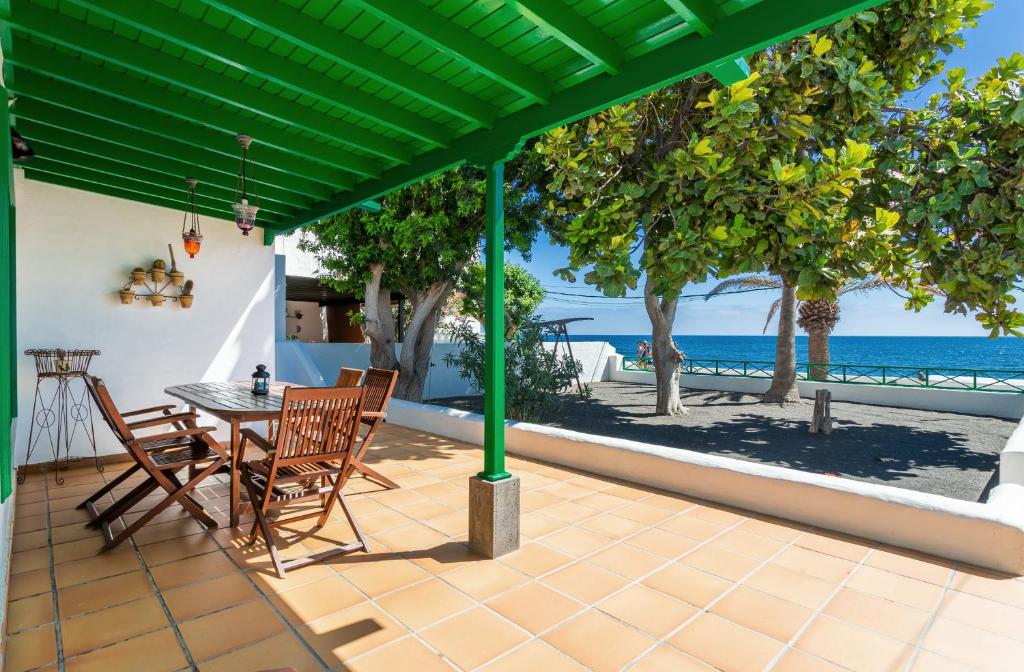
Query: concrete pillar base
point(493, 516)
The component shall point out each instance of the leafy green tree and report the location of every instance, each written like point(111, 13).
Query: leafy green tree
point(419, 244)
point(523, 295)
point(838, 87)
point(955, 170)
point(675, 186)
point(761, 175)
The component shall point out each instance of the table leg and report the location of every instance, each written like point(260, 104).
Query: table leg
point(236, 468)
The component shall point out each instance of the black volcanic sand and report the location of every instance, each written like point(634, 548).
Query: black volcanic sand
point(942, 453)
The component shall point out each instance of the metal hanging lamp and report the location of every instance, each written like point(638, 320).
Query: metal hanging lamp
point(245, 212)
point(191, 234)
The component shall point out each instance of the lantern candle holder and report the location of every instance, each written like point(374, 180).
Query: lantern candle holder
point(261, 380)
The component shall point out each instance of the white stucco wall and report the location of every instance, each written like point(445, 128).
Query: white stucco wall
point(74, 251)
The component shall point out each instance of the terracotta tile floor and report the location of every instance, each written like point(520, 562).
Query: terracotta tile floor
point(610, 576)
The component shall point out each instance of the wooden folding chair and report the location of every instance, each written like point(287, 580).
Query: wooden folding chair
point(349, 377)
point(379, 384)
point(159, 456)
point(310, 460)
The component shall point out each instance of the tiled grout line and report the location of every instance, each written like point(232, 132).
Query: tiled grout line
point(585, 607)
point(918, 645)
point(706, 609)
point(266, 599)
point(156, 592)
point(53, 580)
point(563, 525)
point(788, 646)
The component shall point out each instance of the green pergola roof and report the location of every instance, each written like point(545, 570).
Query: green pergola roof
point(346, 99)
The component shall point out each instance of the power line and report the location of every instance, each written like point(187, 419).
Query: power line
point(682, 297)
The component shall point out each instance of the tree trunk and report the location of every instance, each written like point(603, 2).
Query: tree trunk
point(783, 388)
point(379, 322)
point(818, 353)
point(667, 358)
point(414, 363)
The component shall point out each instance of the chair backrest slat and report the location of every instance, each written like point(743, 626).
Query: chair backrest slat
point(379, 384)
point(349, 377)
point(318, 423)
point(101, 397)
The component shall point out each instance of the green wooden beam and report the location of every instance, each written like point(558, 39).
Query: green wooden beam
point(78, 139)
point(208, 195)
point(572, 30)
point(36, 58)
point(764, 24)
point(446, 36)
point(169, 135)
point(293, 26)
point(136, 57)
point(172, 196)
point(701, 14)
point(194, 35)
point(98, 185)
point(730, 71)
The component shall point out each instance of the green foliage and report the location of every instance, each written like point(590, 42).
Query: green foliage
point(424, 233)
point(533, 375)
point(955, 168)
point(523, 294)
point(772, 173)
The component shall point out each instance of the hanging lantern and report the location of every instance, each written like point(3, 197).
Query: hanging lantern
point(245, 213)
point(191, 234)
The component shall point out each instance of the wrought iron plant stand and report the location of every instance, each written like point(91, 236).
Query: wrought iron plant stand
point(60, 415)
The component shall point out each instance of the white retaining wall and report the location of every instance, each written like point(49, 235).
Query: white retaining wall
point(970, 402)
point(990, 534)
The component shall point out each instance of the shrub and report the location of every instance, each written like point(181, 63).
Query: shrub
point(533, 375)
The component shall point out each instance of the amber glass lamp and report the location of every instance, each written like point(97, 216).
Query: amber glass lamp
point(191, 234)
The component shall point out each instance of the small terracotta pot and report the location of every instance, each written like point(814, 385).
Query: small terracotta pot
point(158, 275)
point(156, 299)
point(177, 278)
point(138, 277)
point(186, 300)
point(127, 296)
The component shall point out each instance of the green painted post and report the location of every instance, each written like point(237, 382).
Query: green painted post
point(494, 327)
point(7, 333)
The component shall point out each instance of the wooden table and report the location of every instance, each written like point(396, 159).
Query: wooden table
point(235, 404)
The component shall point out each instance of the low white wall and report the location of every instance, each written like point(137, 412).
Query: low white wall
point(74, 251)
point(990, 534)
point(970, 402)
point(297, 360)
point(592, 355)
point(1011, 460)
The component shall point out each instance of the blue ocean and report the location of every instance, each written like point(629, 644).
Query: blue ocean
point(935, 352)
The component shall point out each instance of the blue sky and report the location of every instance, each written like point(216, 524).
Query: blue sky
point(1000, 32)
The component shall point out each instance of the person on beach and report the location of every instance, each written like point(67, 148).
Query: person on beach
point(641, 354)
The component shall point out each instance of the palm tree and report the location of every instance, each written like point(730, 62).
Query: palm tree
point(817, 317)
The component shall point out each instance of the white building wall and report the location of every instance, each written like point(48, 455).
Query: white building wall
point(74, 252)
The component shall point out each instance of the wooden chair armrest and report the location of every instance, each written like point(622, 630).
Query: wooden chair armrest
point(152, 409)
point(177, 434)
point(162, 420)
point(375, 414)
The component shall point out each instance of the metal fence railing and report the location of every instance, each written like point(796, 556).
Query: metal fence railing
point(989, 380)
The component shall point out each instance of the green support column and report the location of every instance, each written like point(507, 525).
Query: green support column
point(494, 493)
point(7, 331)
point(494, 327)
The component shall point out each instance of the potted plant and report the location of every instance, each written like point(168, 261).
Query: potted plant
point(138, 276)
point(186, 295)
point(127, 295)
point(156, 299)
point(158, 271)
